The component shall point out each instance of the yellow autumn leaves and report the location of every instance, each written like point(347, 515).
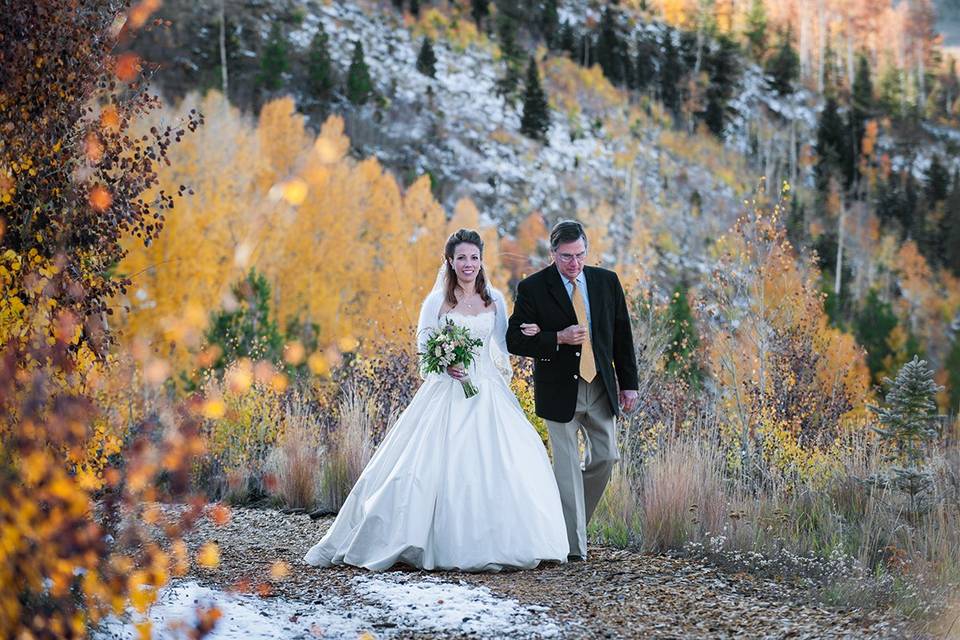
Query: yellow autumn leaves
point(341, 243)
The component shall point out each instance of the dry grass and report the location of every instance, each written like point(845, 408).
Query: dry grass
point(858, 544)
point(681, 496)
point(350, 445)
point(297, 460)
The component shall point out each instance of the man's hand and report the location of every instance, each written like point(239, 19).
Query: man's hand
point(628, 400)
point(574, 334)
point(529, 328)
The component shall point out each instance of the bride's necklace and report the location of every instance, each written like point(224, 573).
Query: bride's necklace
point(467, 302)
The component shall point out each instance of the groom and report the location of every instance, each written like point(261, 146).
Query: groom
point(582, 355)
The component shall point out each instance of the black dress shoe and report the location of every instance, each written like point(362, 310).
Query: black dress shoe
point(575, 558)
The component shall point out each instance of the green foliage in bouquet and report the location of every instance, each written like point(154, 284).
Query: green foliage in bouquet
point(450, 346)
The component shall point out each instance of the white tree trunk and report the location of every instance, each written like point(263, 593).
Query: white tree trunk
point(223, 50)
point(821, 56)
point(840, 237)
point(804, 44)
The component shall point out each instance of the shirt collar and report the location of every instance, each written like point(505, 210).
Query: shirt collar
point(581, 279)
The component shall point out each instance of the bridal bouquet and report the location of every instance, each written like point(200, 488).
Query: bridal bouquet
point(449, 346)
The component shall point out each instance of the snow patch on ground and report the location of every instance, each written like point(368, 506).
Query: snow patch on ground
point(387, 605)
point(243, 616)
point(429, 604)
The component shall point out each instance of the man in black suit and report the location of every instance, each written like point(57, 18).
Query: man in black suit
point(585, 369)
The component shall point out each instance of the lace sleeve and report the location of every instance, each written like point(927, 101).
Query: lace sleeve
point(498, 343)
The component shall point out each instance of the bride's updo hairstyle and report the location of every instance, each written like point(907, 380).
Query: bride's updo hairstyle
point(470, 237)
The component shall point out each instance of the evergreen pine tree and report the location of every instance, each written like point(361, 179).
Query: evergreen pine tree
point(861, 109)
point(723, 69)
point(479, 9)
point(248, 331)
point(937, 180)
point(671, 74)
point(862, 99)
point(611, 50)
point(691, 48)
point(426, 59)
point(950, 229)
point(886, 200)
point(507, 34)
point(398, 4)
point(359, 84)
point(891, 91)
point(909, 422)
point(568, 40)
point(756, 31)
point(783, 68)
point(907, 214)
point(832, 154)
point(535, 121)
point(415, 8)
point(274, 62)
point(952, 365)
point(511, 52)
point(684, 341)
point(872, 327)
point(550, 24)
point(319, 65)
point(644, 67)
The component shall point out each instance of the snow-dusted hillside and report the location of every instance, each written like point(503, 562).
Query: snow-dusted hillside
point(459, 129)
point(608, 161)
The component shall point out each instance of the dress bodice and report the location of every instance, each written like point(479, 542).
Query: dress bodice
point(480, 325)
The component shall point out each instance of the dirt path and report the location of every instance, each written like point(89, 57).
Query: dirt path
point(614, 594)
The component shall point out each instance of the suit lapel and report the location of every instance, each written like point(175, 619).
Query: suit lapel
point(559, 292)
point(595, 294)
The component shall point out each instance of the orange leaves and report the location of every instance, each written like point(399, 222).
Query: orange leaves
point(99, 198)
point(213, 408)
point(156, 371)
point(279, 570)
point(220, 514)
point(871, 131)
point(209, 555)
point(347, 344)
point(127, 66)
point(318, 364)
point(141, 12)
point(776, 359)
point(294, 353)
point(332, 144)
point(293, 191)
point(342, 245)
point(93, 148)
point(110, 118)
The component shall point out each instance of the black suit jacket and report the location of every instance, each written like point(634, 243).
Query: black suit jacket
point(542, 298)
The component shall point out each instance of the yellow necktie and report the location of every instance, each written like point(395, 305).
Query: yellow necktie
point(588, 366)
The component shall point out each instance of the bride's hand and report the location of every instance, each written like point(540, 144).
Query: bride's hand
point(456, 373)
point(529, 329)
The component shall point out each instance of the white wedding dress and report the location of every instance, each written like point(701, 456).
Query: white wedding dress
point(457, 483)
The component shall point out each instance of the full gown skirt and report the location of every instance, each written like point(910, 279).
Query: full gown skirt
point(457, 483)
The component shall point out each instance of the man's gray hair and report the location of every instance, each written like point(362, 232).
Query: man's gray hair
point(566, 231)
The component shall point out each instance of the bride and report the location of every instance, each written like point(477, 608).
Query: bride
point(457, 483)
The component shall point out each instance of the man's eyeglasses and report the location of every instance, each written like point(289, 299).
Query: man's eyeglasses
point(567, 258)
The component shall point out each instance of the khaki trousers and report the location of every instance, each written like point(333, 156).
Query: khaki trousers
point(581, 488)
